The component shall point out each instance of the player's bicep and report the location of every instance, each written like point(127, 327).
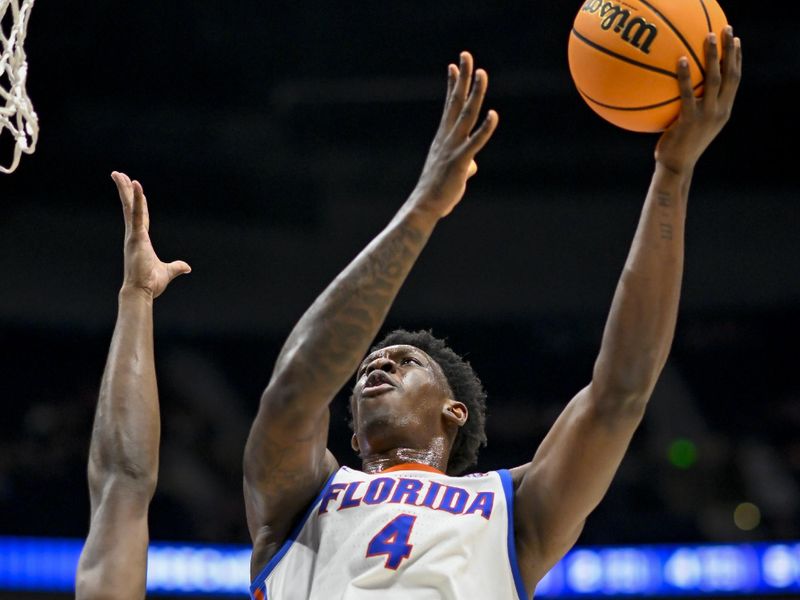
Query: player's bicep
point(286, 462)
point(572, 469)
point(113, 562)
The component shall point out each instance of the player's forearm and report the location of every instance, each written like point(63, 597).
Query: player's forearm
point(331, 338)
point(641, 324)
point(127, 426)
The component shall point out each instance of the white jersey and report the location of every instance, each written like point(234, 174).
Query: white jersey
point(409, 533)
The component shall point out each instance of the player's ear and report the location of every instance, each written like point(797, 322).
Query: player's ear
point(354, 444)
point(455, 412)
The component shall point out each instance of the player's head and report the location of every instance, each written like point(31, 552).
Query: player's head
point(412, 390)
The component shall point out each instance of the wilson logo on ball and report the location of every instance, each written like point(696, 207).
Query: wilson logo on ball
point(623, 56)
point(615, 16)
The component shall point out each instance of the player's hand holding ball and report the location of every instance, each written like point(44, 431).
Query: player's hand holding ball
point(623, 57)
point(701, 119)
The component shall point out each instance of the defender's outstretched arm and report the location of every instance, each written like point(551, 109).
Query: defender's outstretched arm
point(123, 455)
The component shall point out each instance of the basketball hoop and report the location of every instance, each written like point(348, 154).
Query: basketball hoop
point(16, 111)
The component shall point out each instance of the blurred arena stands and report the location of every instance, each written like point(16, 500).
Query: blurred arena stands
point(274, 139)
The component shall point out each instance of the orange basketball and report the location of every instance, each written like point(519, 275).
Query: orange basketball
point(623, 56)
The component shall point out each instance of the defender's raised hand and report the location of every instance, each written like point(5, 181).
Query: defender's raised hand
point(450, 160)
point(143, 269)
point(123, 453)
point(701, 119)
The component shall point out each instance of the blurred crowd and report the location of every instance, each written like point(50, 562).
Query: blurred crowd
point(717, 457)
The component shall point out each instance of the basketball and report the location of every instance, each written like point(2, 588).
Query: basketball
point(623, 56)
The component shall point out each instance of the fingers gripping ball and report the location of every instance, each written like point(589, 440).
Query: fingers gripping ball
point(623, 56)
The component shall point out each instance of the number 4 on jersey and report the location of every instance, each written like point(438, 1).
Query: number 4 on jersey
point(392, 541)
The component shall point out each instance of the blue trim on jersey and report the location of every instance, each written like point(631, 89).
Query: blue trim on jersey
point(262, 576)
point(508, 488)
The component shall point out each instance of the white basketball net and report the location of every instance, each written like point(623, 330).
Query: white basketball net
point(16, 111)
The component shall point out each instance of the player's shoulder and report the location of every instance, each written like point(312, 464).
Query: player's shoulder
point(477, 475)
point(514, 474)
point(517, 473)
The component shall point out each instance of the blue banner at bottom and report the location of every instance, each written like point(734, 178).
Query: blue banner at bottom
point(37, 564)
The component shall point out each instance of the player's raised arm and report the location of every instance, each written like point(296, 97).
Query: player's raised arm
point(285, 461)
point(574, 466)
point(123, 455)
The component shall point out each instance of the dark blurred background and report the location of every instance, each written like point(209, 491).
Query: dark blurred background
point(274, 139)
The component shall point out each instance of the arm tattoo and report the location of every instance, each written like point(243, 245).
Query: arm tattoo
point(665, 203)
point(342, 322)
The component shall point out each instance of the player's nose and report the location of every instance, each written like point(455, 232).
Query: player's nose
point(383, 363)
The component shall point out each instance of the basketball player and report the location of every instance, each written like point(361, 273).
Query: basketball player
point(406, 526)
point(123, 455)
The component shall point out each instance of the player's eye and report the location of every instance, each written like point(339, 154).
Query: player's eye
point(409, 359)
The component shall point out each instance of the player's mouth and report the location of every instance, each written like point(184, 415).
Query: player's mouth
point(378, 382)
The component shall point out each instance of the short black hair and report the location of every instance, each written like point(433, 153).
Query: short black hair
point(464, 384)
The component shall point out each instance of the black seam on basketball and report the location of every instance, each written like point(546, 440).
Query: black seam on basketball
point(678, 33)
point(708, 17)
point(627, 108)
point(634, 108)
point(621, 57)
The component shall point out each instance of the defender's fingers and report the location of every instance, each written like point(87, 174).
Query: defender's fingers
point(469, 114)
point(141, 215)
point(731, 66)
point(118, 177)
point(125, 191)
point(482, 135)
point(176, 268)
point(713, 77)
point(124, 187)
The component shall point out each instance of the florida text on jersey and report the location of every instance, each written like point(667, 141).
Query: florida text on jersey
point(410, 532)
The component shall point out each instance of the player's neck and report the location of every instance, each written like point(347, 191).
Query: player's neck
point(431, 457)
